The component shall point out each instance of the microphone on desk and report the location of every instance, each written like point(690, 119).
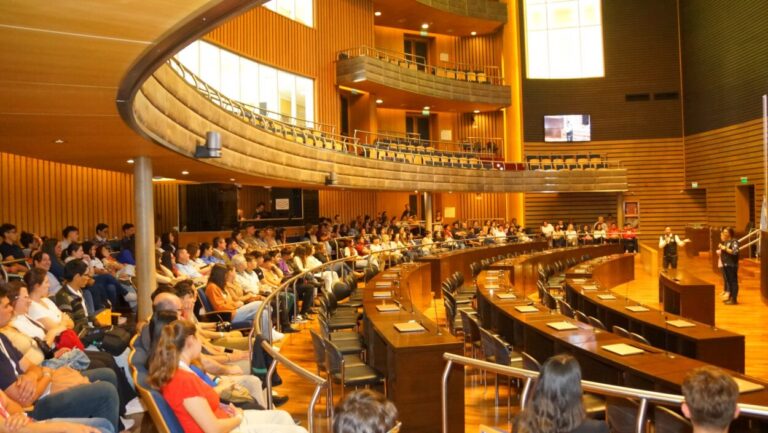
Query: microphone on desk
point(666, 337)
point(410, 297)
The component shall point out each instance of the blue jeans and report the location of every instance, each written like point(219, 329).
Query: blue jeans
point(97, 399)
point(103, 425)
point(247, 312)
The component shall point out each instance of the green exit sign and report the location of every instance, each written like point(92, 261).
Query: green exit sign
point(744, 179)
point(694, 185)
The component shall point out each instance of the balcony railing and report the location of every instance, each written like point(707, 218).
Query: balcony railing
point(454, 71)
point(482, 147)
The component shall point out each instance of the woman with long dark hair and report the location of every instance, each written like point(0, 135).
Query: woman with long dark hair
point(223, 299)
point(195, 403)
point(556, 405)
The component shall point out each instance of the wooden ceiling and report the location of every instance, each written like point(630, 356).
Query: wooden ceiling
point(411, 14)
point(63, 64)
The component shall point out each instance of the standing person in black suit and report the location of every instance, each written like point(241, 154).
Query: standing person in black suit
point(669, 242)
point(556, 404)
point(729, 255)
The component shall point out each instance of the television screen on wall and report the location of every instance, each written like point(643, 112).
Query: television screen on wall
point(567, 127)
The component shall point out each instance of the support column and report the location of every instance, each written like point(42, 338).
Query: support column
point(620, 210)
point(512, 70)
point(146, 281)
point(428, 210)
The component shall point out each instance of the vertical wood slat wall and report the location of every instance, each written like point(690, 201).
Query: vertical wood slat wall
point(718, 159)
point(275, 40)
point(43, 197)
point(348, 204)
point(471, 206)
point(655, 171)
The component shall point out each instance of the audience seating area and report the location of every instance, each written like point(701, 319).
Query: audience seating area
point(573, 161)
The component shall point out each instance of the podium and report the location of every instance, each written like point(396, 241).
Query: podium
point(683, 294)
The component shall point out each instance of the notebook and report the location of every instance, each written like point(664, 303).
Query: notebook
point(606, 297)
point(527, 309)
point(562, 326)
point(623, 349)
point(382, 294)
point(409, 327)
point(383, 284)
point(747, 386)
point(680, 323)
point(579, 280)
point(389, 276)
point(491, 278)
point(491, 286)
point(387, 308)
point(637, 308)
point(589, 287)
point(506, 296)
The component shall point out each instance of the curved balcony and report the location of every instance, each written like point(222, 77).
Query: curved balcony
point(450, 17)
point(176, 110)
point(411, 84)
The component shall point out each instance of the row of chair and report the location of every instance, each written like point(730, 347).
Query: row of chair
point(566, 162)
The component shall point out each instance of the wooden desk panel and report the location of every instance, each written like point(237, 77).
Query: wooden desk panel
point(702, 341)
point(682, 293)
point(413, 362)
point(655, 369)
point(445, 264)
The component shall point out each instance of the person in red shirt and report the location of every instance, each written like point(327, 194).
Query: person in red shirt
point(195, 403)
point(629, 238)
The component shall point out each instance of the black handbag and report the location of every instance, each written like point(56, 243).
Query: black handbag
point(47, 350)
point(115, 341)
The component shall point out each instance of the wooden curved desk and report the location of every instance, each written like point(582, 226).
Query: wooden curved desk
point(445, 264)
point(654, 369)
point(700, 341)
point(412, 362)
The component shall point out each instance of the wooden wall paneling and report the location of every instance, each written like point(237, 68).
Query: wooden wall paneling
point(272, 39)
point(655, 172)
point(391, 120)
point(391, 202)
point(348, 204)
point(576, 208)
point(718, 159)
point(482, 50)
point(44, 197)
point(166, 201)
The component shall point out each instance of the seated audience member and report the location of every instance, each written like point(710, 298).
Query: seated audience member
point(194, 256)
point(614, 234)
point(127, 255)
point(42, 308)
point(271, 276)
point(104, 288)
point(164, 269)
point(245, 277)
point(558, 236)
point(13, 419)
point(571, 236)
point(61, 393)
point(53, 249)
point(222, 298)
point(69, 235)
point(250, 236)
point(629, 238)
point(556, 402)
point(185, 267)
point(30, 243)
point(9, 250)
point(710, 400)
point(72, 298)
point(585, 236)
point(206, 255)
point(365, 411)
point(220, 250)
point(29, 337)
point(195, 403)
point(102, 234)
point(168, 242)
point(42, 261)
point(129, 231)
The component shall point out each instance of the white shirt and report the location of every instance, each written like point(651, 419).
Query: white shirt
point(249, 281)
point(27, 327)
point(547, 230)
point(189, 269)
point(48, 310)
point(55, 284)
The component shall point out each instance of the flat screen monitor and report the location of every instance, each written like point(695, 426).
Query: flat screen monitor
point(567, 127)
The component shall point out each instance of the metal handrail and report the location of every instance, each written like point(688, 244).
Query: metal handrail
point(753, 232)
point(645, 397)
point(384, 140)
point(330, 141)
point(490, 74)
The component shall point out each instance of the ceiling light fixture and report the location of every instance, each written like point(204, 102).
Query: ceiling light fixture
point(231, 179)
point(130, 161)
point(425, 26)
point(377, 13)
point(184, 172)
point(426, 107)
point(59, 141)
point(473, 33)
point(379, 101)
point(477, 111)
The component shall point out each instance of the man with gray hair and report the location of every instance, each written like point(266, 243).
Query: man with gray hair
point(244, 276)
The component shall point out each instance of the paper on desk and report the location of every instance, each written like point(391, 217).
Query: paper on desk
point(506, 296)
point(637, 308)
point(680, 323)
point(562, 326)
point(527, 309)
point(409, 327)
point(383, 283)
point(589, 287)
point(747, 386)
point(623, 349)
point(606, 297)
point(389, 276)
point(382, 294)
point(386, 308)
